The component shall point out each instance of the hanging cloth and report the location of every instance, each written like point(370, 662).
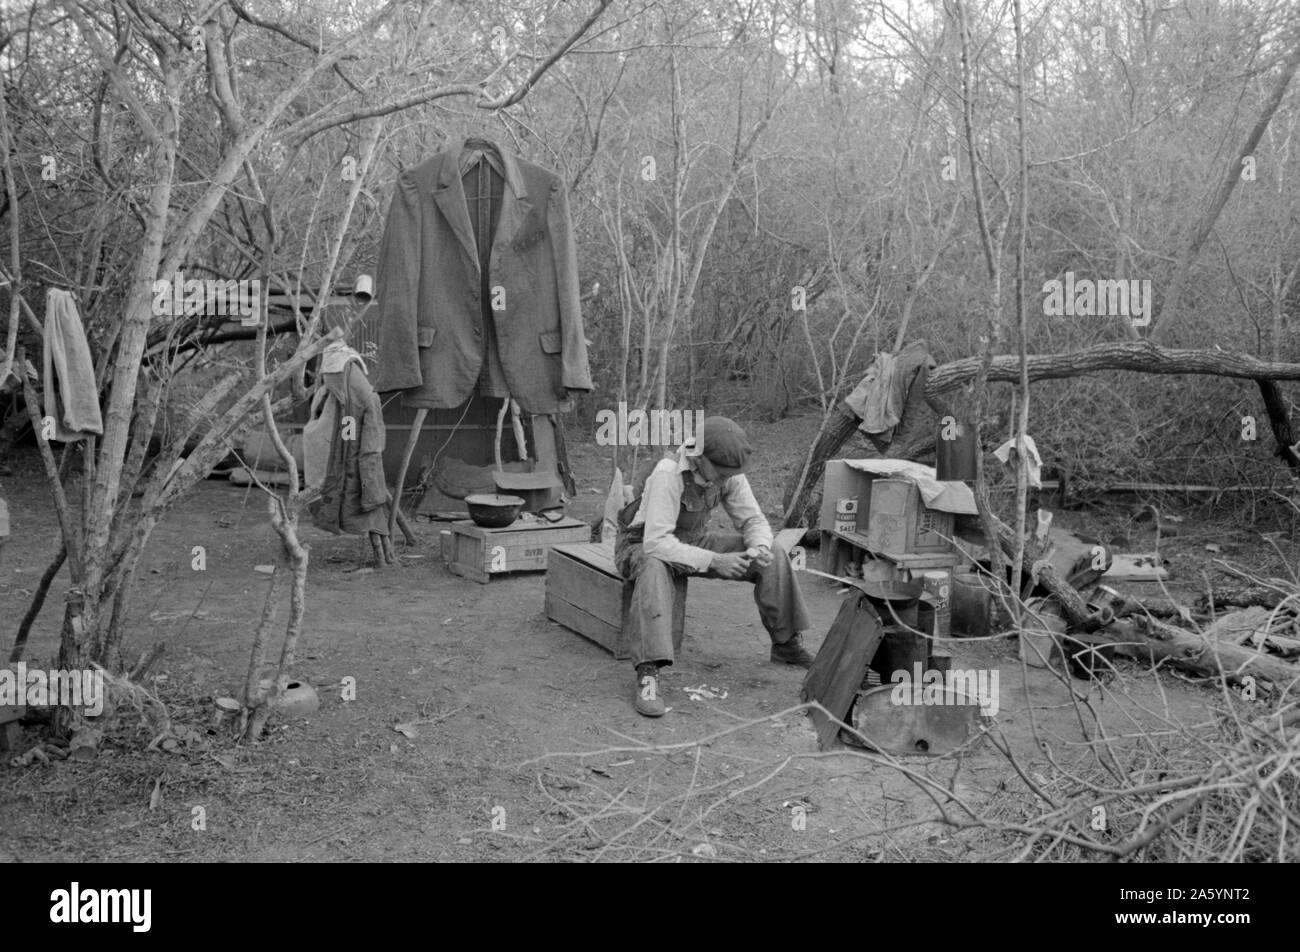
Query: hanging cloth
point(71, 394)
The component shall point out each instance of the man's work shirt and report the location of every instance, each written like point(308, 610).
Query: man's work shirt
point(661, 505)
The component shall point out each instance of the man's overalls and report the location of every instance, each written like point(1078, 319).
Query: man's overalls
point(649, 635)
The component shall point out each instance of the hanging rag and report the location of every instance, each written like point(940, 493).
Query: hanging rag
point(71, 394)
point(317, 438)
point(354, 494)
point(322, 425)
point(1033, 462)
point(873, 398)
point(337, 356)
point(882, 398)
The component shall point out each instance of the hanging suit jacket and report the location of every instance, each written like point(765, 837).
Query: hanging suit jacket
point(429, 290)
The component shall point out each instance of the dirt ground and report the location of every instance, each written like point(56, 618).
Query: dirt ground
point(526, 745)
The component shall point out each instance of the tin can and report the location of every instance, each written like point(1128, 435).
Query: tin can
point(937, 584)
point(846, 514)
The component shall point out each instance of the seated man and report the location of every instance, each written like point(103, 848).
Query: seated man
point(665, 531)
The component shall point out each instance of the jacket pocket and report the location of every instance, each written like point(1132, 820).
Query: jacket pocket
point(424, 336)
point(550, 342)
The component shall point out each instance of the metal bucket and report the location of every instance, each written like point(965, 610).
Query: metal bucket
point(972, 605)
point(955, 457)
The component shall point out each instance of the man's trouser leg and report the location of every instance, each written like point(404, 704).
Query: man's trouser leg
point(776, 592)
point(650, 617)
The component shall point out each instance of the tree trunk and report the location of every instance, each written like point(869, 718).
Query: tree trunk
point(1280, 421)
point(1141, 356)
point(802, 495)
point(1206, 223)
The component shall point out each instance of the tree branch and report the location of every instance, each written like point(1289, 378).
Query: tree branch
point(1140, 356)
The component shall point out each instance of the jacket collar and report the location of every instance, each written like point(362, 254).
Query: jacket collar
point(685, 465)
point(450, 170)
point(450, 197)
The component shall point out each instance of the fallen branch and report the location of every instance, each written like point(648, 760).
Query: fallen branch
point(1193, 652)
point(1141, 356)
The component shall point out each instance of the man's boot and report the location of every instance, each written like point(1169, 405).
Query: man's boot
point(648, 701)
point(792, 652)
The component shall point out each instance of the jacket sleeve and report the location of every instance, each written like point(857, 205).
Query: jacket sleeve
point(746, 516)
point(661, 502)
point(398, 291)
point(575, 373)
point(374, 487)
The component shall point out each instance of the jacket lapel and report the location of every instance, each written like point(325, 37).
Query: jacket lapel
point(450, 198)
point(515, 203)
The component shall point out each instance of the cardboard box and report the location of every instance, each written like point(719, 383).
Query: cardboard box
point(899, 523)
point(585, 593)
point(846, 498)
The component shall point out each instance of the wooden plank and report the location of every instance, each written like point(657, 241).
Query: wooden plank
point(1048, 486)
point(465, 571)
point(936, 561)
point(595, 554)
point(471, 528)
point(1134, 567)
point(597, 630)
point(908, 560)
point(575, 582)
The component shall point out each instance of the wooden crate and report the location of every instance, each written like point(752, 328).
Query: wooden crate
point(585, 593)
point(840, 548)
point(477, 553)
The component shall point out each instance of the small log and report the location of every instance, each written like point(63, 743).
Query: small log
point(1281, 645)
point(38, 601)
point(1251, 595)
point(1046, 575)
point(1157, 607)
point(1238, 627)
point(1193, 652)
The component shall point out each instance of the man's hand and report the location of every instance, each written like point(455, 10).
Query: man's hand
point(762, 556)
point(733, 565)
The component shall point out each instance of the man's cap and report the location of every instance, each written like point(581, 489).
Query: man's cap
point(725, 445)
